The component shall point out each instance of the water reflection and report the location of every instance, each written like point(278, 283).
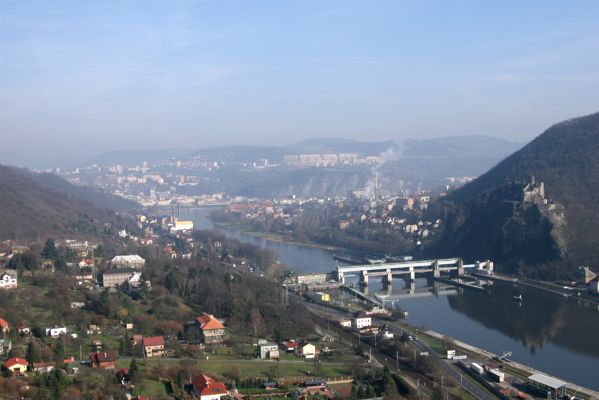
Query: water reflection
point(550, 333)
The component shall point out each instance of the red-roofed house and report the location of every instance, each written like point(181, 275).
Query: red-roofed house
point(154, 346)
point(4, 327)
point(206, 388)
point(211, 329)
point(103, 359)
point(17, 365)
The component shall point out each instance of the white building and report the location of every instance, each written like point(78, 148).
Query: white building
point(8, 280)
point(307, 350)
point(268, 351)
point(361, 320)
point(346, 323)
point(182, 226)
point(56, 331)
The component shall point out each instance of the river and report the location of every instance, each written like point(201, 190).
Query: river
point(552, 334)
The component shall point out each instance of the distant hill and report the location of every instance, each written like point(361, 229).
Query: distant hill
point(30, 209)
point(489, 218)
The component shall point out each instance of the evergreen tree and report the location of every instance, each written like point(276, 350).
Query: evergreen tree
point(49, 252)
point(32, 355)
point(370, 394)
point(133, 370)
point(59, 353)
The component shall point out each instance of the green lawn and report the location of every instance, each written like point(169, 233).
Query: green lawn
point(255, 368)
point(153, 389)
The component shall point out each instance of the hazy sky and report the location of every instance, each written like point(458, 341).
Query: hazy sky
point(81, 77)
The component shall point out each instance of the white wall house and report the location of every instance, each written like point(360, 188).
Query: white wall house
point(361, 320)
point(8, 280)
point(56, 331)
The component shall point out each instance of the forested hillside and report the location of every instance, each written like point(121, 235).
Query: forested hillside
point(489, 218)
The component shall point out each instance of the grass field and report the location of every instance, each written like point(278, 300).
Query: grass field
point(257, 368)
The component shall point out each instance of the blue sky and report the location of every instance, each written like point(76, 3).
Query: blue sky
point(79, 78)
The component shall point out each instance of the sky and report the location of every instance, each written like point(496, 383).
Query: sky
point(78, 78)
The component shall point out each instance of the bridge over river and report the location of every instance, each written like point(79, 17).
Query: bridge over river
point(409, 269)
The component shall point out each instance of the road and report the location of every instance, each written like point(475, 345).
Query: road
point(448, 368)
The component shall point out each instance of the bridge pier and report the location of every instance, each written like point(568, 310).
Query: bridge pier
point(365, 277)
point(436, 270)
point(412, 287)
point(340, 277)
point(389, 277)
point(412, 274)
point(460, 267)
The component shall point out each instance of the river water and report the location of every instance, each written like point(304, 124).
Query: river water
point(547, 332)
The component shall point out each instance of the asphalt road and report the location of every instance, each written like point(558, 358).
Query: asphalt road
point(446, 366)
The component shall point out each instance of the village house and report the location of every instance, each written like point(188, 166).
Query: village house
point(17, 365)
point(361, 320)
point(268, 350)
point(56, 331)
point(8, 280)
point(211, 330)
point(290, 346)
point(206, 388)
point(4, 327)
point(86, 262)
point(104, 359)
point(306, 350)
point(42, 367)
point(154, 346)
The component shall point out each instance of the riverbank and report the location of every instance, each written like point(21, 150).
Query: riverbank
point(521, 370)
point(278, 238)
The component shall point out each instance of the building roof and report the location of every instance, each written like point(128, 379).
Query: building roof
point(208, 322)
point(134, 258)
point(154, 341)
point(3, 324)
point(15, 361)
point(547, 381)
point(103, 356)
point(207, 386)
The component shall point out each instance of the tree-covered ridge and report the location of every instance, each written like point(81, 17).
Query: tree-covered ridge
point(487, 219)
point(29, 210)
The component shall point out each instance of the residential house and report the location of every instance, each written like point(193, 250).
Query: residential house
point(56, 331)
point(206, 388)
point(4, 327)
point(5, 346)
point(345, 323)
point(361, 320)
point(290, 346)
point(307, 350)
point(268, 350)
point(16, 365)
point(42, 367)
point(128, 261)
point(103, 359)
point(154, 346)
point(86, 262)
point(8, 280)
point(212, 330)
